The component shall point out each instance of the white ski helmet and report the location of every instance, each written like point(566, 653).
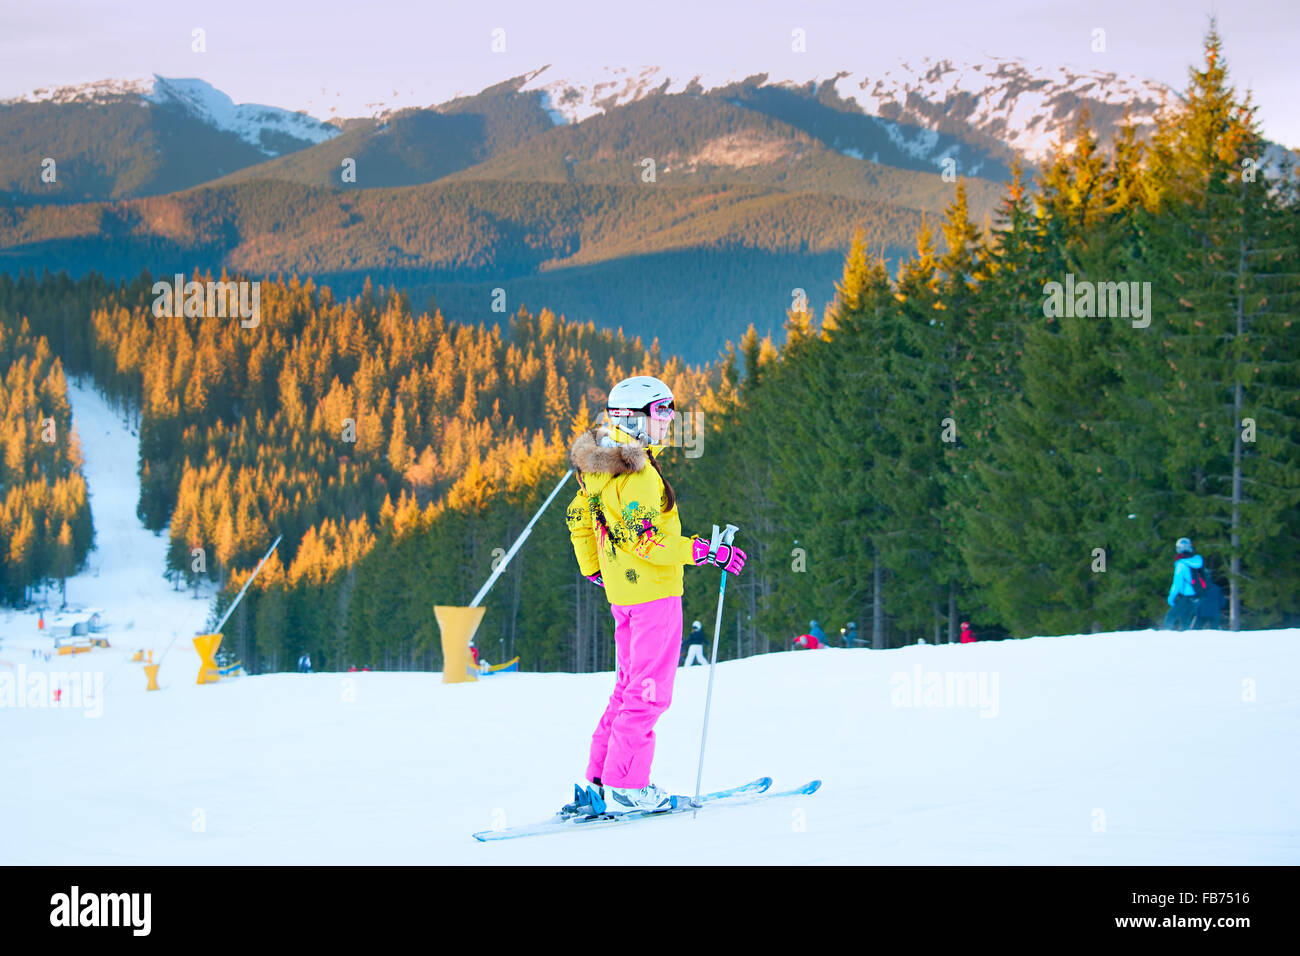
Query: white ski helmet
point(1184, 546)
point(636, 393)
point(630, 401)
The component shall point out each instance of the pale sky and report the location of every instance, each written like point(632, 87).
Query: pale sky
point(315, 55)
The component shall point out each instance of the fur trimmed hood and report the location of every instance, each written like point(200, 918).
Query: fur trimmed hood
point(623, 522)
point(595, 452)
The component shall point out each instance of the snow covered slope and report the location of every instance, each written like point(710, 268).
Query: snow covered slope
point(123, 576)
point(1115, 748)
point(1131, 748)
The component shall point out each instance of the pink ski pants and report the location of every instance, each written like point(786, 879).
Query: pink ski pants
point(648, 641)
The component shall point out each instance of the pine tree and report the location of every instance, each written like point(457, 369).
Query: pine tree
point(1220, 370)
point(857, 373)
point(908, 458)
point(1049, 540)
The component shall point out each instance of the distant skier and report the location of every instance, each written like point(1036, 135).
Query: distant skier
point(1187, 587)
point(809, 642)
point(967, 635)
point(304, 664)
point(626, 534)
point(695, 645)
point(473, 652)
point(816, 631)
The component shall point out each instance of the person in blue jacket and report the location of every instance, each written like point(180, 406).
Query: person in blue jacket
point(1183, 597)
point(816, 631)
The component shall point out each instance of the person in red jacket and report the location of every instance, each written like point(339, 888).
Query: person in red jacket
point(967, 635)
point(808, 641)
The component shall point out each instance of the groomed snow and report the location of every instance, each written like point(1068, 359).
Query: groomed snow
point(1125, 748)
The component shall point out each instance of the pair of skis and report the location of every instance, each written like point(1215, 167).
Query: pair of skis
point(752, 792)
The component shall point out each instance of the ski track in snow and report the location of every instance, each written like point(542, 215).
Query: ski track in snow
point(1127, 748)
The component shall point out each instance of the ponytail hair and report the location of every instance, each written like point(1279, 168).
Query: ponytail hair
point(669, 499)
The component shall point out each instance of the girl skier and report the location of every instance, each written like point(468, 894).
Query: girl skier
point(627, 536)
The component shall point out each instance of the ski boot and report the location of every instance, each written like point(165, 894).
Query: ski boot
point(649, 799)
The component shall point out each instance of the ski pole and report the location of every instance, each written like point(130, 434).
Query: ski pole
point(723, 537)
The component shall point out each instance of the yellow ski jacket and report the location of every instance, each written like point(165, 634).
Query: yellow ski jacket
point(617, 524)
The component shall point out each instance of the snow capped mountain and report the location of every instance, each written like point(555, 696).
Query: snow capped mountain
point(920, 106)
point(259, 126)
point(1000, 100)
point(250, 122)
point(98, 92)
point(1025, 108)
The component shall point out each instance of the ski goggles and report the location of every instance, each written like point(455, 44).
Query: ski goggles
point(661, 410)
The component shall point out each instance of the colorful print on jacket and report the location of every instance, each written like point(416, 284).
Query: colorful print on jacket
point(616, 524)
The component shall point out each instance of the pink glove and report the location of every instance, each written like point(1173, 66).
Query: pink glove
point(596, 579)
point(728, 558)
